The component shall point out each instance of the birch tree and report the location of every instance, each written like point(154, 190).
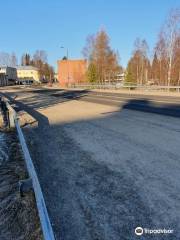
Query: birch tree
point(169, 34)
point(138, 69)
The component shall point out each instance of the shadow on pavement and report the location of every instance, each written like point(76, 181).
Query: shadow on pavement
point(152, 107)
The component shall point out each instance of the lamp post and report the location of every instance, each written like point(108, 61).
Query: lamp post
point(67, 59)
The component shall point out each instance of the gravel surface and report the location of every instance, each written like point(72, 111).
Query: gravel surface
point(105, 170)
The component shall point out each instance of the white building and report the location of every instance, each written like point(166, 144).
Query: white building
point(115, 78)
point(120, 77)
point(28, 74)
point(10, 73)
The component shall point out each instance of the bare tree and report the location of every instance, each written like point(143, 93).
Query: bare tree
point(14, 61)
point(40, 55)
point(155, 69)
point(144, 48)
point(176, 60)
point(138, 70)
point(88, 50)
point(160, 50)
point(169, 35)
point(8, 59)
point(102, 59)
point(5, 59)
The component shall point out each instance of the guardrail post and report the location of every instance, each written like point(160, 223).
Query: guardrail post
point(25, 186)
point(11, 119)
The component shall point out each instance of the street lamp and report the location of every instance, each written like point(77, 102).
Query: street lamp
point(67, 58)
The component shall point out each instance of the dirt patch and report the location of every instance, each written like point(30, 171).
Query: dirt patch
point(18, 215)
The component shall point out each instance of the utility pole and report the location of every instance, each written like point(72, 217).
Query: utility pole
point(67, 59)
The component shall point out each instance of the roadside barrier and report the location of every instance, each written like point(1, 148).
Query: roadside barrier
point(127, 86)
point(32, 181)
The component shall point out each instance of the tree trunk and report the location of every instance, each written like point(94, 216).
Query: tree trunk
point(169, 71)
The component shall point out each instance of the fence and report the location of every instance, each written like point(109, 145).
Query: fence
point(41, 206)
point(129, 87)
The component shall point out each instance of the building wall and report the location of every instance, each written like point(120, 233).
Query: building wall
point(29, 74)
point(71, 71)
point(10, 72)
point(3, 80)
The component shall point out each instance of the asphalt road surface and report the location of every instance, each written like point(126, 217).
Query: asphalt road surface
point(107, 163)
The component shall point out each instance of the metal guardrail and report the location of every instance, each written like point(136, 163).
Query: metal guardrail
point(130, 87)
point(41, 206)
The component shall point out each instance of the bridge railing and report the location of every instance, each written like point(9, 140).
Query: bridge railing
point(127, 86)
point(41, 206)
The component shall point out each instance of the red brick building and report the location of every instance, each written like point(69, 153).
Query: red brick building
point(71, 71)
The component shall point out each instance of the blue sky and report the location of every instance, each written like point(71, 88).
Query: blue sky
point(47, 24)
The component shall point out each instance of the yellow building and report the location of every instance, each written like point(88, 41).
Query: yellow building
point(28, 74)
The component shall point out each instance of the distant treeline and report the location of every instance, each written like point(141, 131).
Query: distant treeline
point(162, 68)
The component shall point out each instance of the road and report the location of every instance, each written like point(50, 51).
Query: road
point(107, 163)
